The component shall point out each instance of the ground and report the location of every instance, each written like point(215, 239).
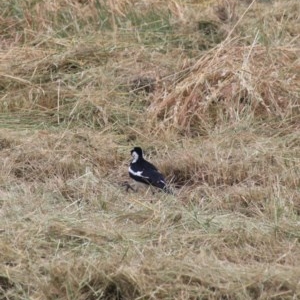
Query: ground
point(209, 89)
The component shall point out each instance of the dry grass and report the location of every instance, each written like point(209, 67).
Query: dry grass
point(210, 90)
point(232, 82)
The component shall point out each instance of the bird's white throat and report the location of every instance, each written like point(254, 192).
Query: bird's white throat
point(135, 157)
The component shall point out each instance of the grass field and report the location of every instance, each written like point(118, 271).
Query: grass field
point(209, 89)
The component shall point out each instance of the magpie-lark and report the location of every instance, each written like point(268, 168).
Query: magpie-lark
point(143, 171)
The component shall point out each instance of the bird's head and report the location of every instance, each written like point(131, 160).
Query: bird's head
point(136, 153)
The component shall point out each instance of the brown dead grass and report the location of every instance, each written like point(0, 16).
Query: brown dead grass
point(209, 89)
point(230, 82)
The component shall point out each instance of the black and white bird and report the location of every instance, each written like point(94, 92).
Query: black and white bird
point(144, 172)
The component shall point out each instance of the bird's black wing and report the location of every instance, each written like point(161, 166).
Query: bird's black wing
point(149, 166)
point(153, 177)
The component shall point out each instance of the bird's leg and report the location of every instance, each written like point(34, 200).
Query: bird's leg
point(129, 187)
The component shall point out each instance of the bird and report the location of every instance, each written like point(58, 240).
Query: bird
point(144, 172)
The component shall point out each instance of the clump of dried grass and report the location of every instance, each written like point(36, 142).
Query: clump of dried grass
point(44, 155)
point(233, 162)
point(230, 83)
point(90, 280)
